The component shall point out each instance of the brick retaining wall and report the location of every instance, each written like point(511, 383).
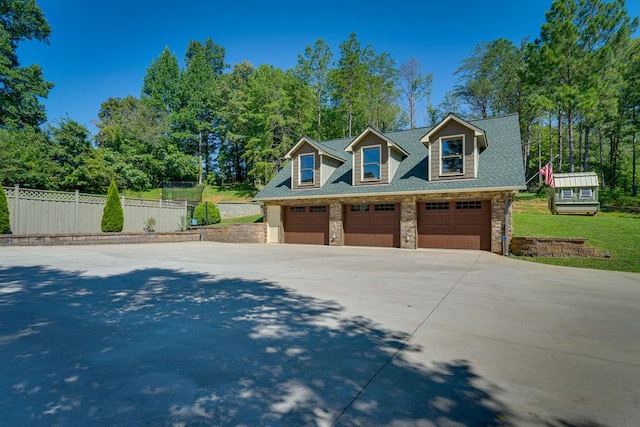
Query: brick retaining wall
point(552, 247)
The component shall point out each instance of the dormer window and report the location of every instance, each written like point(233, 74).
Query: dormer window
point(452, 158)
point(307, 168)
point(371, 163)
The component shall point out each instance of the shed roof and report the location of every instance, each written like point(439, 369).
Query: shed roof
point(575, 179)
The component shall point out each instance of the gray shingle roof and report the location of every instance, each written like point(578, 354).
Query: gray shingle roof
point(500, 166)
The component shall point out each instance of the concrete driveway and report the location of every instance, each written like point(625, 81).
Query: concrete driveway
point(199, 334)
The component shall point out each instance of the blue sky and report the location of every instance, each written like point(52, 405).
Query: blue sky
point(99, 50)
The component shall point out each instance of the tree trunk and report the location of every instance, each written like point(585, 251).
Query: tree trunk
point(585, 162)
point(613, 160)
point(634, 186)
point(559, 141)
point(319, 114)
point(601, 158)
point(527, 153)
point(580, 146)
point(571, 143)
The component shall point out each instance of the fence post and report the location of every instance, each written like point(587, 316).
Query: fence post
point(77, 222)
point(16, 200)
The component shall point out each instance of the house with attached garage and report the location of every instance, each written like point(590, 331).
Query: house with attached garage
point(447, 186)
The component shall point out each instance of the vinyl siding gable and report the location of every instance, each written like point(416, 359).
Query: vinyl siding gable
point(371, 140)
point(295, 167)
point(452, 129)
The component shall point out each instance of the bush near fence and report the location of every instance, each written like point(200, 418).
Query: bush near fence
point(55, 212)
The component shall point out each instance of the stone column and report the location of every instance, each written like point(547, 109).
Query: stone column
point(408, 224)
point(336, 231)
point(497, 224)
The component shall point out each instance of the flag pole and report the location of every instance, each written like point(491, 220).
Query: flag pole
point(538, 173)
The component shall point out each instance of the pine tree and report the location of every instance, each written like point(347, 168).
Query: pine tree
point(112, 216)
point(5, 226)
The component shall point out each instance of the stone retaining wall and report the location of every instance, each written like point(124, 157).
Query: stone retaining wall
point(237, 233)
point(552, 247)
point(97, 238)
point(237, 210)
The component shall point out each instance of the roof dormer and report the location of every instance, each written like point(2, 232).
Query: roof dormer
point(376, 158)
point(312, 163)
point(454, 146)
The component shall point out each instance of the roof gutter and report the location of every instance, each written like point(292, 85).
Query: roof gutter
point(394, 193)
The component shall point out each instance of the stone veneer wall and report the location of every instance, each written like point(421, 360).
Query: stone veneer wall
point(336, 229)
point(237, 233)
point(552, 247)
point(408, 214)
point(97, 238)
point(408, 225)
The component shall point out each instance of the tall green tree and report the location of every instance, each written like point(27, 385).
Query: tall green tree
point(313, 68)
point(195, 123)
point(235, 128)
point(214, 54)
point(489, 79)
point(28, 159)
point(137, 144)
point(273, 122)
point(348, 80)
point(381, 91)
point(21, 87)
point(160, 86)
point(581, 44)
point(79, 166)
point(630, 101)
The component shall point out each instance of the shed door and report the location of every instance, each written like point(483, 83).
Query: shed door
point(372, 225)
point(306, 225)
point(455, 225)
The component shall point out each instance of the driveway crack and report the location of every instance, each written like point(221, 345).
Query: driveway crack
point(404, 343)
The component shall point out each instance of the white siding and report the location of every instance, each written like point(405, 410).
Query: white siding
point(273, 224)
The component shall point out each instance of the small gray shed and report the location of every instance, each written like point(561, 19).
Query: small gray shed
point(575, 193)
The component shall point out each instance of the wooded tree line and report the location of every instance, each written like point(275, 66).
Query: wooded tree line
point(576, 89)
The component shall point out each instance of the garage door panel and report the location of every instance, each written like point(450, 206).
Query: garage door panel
point(455, 225)
point(307, 225)
point(372, 225)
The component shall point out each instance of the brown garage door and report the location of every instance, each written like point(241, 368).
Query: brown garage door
point(455, 225)
point(372, 225)
point(306, 225)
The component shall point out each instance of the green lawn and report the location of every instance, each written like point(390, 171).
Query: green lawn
point(615, 233)
point(240, 220)
point(215, 194)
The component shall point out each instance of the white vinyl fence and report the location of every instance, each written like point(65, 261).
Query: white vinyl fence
point(56, 212)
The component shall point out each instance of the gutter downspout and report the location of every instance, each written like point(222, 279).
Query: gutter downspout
point(507, 223)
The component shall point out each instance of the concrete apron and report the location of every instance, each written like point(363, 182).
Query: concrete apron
point(220, 334)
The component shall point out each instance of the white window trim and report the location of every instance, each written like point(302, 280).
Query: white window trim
point(562, 196)
point(313, 181)
point(362, 178)
point(449, 137)
point(590, 196)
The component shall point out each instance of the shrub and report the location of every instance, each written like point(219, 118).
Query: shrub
point(112, 216)
point(200, 212)
point(150, 224)
point(5, 225)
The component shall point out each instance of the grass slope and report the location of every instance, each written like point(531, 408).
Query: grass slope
point(215, 194)
point(613, 232)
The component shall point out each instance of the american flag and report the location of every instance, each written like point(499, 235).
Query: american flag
point(547, 172)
